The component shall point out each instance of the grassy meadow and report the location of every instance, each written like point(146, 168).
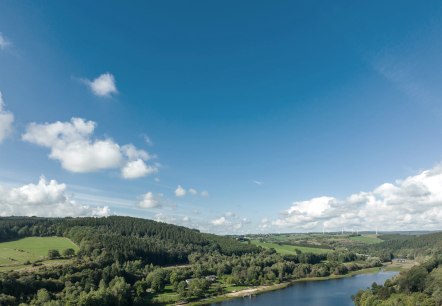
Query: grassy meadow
point(288, 249)
point(31, 249)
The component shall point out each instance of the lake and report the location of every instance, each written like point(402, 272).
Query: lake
point(335, 292)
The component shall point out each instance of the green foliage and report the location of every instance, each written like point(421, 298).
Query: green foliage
point(52, 254)
point(366, 239)
point(69, 252)
point(421, 285)
point(406, 246)
point(287, 249)
point(130, 261)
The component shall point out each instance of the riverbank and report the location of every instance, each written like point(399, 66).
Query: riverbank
point(262, 289)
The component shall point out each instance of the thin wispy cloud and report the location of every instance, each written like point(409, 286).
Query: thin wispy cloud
point(405, 66)
point(4, 42)
point(6, 120)
point(148, 140)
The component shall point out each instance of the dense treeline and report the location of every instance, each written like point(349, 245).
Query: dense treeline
point(89, 282)
point(405, 246)
point(124, 238)
point(125, 261)
point(421, 285)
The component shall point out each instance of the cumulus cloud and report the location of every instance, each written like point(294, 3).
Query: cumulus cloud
point(230, 223)
point(4, 43)
point(412, 203)
point(149, 200)
point(6, 120)
point(136, 167)
point(46, 198)
point(219, 221)
point(103, 86)
point(180, 191)
point(72, 143)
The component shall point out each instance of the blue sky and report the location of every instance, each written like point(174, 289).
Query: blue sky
point(278, 112)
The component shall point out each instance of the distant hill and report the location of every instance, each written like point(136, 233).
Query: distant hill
point(124, 238)
point(409, 246)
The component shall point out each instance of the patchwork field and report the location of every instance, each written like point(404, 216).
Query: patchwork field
point(369, 239)
point(17, 252)
point(289, 249)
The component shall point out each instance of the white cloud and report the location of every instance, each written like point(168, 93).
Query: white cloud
point(4, 43)
point(161, 217)
point(220, 221)
point(230, 223)
point(149, 200)
point(103, 86)
point(259, 183)
point(46, 198)
point(72, 143)
point(180, 191)
point(412, 203)
point(6, 120)
point(137, 168)
point(133, 153)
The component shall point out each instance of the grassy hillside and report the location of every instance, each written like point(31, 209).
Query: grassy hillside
point(31, 249)
point(408, 246)
point(286, 249)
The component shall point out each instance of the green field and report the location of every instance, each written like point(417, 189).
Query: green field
point(17, 252)
point(289, 249)
point(369, 239)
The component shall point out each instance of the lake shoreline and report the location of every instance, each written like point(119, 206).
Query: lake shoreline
point(252, 291)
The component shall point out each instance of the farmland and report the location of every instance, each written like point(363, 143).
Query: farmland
point(27, 250)
point(286, 249)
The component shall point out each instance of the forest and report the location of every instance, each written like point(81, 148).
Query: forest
point(421, 285)
point(130, 261)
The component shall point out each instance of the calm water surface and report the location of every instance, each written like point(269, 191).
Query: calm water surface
point(336, 292)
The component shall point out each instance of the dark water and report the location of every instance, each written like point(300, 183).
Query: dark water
point(336, 292)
